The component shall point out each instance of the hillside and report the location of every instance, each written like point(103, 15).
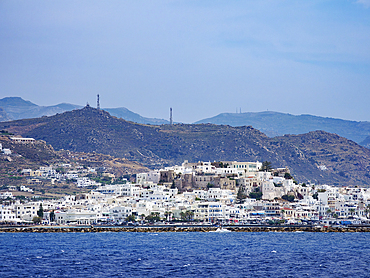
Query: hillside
point(120, 167)
point(88, 130)
point(24, 156)
point(37, 154)
point(277, 124)
point(40, 153)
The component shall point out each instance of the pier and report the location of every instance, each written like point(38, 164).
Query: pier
point(188, 228)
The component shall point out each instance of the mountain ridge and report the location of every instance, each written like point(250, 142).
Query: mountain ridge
point(278, 124)
point(269, 122)
point(16, 108)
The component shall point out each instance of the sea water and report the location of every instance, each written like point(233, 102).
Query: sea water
point(184, 254)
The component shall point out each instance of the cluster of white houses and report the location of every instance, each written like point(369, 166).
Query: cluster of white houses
point(211, 192)
point(53, 173)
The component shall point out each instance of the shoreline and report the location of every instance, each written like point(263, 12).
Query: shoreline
point(147, 229)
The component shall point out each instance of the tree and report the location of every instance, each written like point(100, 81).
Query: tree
point(210, 185)
point(182, 215)
point(36, 219)
point(240, 196)
point(187, 215)
point(266, 166)
point(130, 218)
point(289, 198)
point(153, 217)
point(315, 196)
point(255, 195)
point(52, 216)
point(40, 212)
point(329, 212)
point(222, 165)
point(352, 211)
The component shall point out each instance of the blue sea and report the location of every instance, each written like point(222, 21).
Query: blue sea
point(184, 254)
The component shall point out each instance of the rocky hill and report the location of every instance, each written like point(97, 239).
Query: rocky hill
point(317, 156)
point(277, 124)
point(39, 153)
point(24, 156)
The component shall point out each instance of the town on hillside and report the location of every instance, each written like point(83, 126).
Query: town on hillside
point(224, 192)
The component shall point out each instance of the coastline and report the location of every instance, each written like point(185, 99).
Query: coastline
point(151, 229)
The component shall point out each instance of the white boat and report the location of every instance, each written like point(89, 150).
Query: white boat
point(220, 230)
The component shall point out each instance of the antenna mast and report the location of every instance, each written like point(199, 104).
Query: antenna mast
point(171, 116)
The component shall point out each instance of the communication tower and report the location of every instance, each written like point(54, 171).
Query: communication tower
point(98, 103)
point(171, 116)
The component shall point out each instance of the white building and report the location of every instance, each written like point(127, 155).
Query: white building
point(25, 189)
point(7, 214)
point(76, 216)
point(119, 213)
point(132, 190)
point(26, 212)
point(144, 178)
point(209, 211)
point(85, 182)
point(6, 194)
point(22, 140)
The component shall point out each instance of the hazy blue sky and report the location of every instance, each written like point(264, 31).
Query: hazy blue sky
point(200, 57)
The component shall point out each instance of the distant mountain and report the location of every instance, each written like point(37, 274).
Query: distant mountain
point(128, 115)
point(16, 102)
point(277, 124)
point(317, 156)
point(366, 142)
point(4, 116)
point(15, 108)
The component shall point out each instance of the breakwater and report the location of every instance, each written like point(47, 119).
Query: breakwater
point(153, 229)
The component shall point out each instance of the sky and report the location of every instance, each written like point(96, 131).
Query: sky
point(199, 57)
